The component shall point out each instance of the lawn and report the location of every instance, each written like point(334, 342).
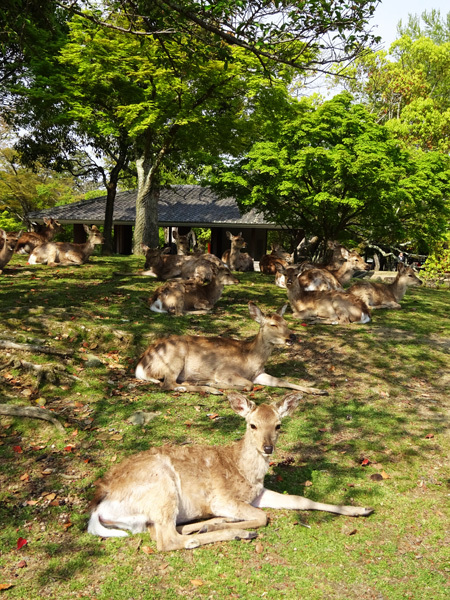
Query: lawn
point(380, 439)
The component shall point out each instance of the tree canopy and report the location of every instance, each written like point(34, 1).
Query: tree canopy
point(333, 171)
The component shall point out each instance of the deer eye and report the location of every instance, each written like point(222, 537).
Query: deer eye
point(253, 426)
point(278, 427)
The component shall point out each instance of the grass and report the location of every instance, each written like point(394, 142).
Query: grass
point(388, 403)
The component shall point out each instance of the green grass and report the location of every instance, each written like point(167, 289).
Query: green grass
point(388, 385)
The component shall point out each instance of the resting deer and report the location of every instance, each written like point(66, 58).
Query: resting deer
point(278, 257)
point(31, 239)
point(165, 489)
point(184, 242)
point(179, 297)
point(65, 253)
point(9, 241)
point(386, 295)
point(330, 307)
point(160, 264)
point(234, 258)
point(196, 363)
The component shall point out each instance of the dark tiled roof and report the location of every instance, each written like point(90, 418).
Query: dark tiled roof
point(178, 205)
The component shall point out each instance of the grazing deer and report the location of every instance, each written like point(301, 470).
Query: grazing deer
point(179, 297)
point(386, 295)
point(166, 488)
point(196, 363)
point(278, 257)
point(31, 239)
point(9, 241)
point(330, 307)
point(234, 258)
point(65, 253)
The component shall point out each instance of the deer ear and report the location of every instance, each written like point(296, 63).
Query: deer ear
point(289, 403)
point(400, 267)
point(282, 310)
point(240, 404)
point(255, 313)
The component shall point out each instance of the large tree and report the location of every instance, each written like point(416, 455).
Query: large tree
point(334, 172)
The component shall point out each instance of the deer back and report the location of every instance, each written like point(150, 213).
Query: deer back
point(29, 240)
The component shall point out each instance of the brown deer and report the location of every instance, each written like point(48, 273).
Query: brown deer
point(386, 295)
point(183, 242)
point(330, 307)
point(332, 276)
point(188, 363)
point(179, 297)
point(234, 258)
point(65, 253)
point(170, 489)
point(31, 239)
point(277, 257)
point(8, 245)
point(160, 264)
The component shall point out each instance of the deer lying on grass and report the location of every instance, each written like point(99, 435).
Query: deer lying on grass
point(9, 241)
point(31, 239)
point(160, 264)
point(189, 363)
point(65, 253)
point(333, 276)
point(330, 307)
point(164, 489)
point(179, 297)
point(278, 257)
point(234, 258)
point(386, 295)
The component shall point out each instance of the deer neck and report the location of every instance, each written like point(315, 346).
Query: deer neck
point(260, 348)
point(340, 271)
point(251, 464)
point(398, 287)
point(214, 289)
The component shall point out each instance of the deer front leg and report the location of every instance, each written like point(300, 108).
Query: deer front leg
point(270, 499)
point(266, 379)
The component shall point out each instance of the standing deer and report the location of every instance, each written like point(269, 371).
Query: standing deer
point(234, 258)
point(164, 489)
point(386, 295)
point(330, 307)
point(179, 297)
point(65, 253)
point(196, 363)
point(31, 239)
point(9, 241)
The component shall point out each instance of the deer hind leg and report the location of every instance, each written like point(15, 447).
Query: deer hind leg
point(270, 380)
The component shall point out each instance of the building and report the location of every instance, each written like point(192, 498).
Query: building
point(181, 206)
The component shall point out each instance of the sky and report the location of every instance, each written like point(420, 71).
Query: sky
point(389, 13)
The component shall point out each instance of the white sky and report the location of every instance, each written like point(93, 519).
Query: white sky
point(389, 13)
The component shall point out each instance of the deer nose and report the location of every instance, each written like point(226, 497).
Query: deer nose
point(268, 449)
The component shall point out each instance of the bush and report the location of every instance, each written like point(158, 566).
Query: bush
point(437, 266)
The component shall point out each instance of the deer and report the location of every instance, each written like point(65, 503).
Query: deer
point(386, 295)
point(333, 276)
point(330, 307)
point(31, 239)
point(179, 297)
point(164, 266)
point(234, 258)
point(190, 363)
point(184, 242)
point(66, 253)
point(189, 496)
point(277, 257)
point(9, 241)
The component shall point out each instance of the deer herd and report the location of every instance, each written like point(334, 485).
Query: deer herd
point(187, 496)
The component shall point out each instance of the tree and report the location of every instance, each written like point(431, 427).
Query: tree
point(435, 27)
point(334, 172)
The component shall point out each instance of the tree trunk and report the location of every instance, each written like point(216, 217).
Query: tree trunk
point(111, 189)
point(146, 227)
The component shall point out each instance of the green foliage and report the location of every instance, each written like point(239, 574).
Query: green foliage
point(333, 171)
point(8, 222)
point(437, 265)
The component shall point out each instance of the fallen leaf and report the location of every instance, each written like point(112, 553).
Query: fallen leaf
point(117, 437)
point(197, 582)
point(67, 525)
point(258, 548)
point(384, 475)
point(74, 433)
point(32, 502)
point(429, 436)
point(213, 416)
point(147, 550)
point(18, 449)
point(69, 448)
point(365, 462)
point(25, 477)
point(323, 429)
point(50, 497)
point(6, 586)
point(22, 564)
point(308, 483)
point(21, 542)
point(353, 532)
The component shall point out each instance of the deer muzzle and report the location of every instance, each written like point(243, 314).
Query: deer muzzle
point(268, 449)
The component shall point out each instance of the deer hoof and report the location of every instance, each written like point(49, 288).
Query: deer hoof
point(190, 544)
